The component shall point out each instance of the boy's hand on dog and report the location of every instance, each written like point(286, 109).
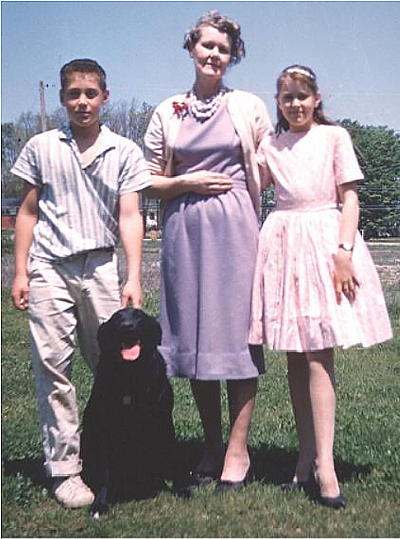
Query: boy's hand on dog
point(132, 294)
point(20, 293)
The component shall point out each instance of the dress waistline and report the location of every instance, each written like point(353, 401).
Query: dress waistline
point(308, 208)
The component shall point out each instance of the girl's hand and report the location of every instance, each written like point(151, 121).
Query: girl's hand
point(344, 279)
point(204, 182)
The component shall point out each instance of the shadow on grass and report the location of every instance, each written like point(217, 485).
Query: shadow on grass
point(271, 465)
point(276, 465)
point(29, 467)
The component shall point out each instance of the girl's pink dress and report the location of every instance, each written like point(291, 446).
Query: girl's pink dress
point(294, 305)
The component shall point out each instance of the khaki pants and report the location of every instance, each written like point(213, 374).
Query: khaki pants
point(67, 299)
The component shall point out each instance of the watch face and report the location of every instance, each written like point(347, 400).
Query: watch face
point(346, 246)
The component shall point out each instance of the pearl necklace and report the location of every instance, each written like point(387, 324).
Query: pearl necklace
point(203, 109)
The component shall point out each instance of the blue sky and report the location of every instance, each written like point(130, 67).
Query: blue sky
point(352, 46)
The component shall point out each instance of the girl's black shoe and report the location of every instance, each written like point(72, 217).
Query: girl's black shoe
point(338, 502)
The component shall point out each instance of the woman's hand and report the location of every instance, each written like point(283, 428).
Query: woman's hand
point(201, 182)
point(344, 279)
point(204, 182)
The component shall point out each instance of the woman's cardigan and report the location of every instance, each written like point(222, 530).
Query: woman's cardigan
point(251, 122)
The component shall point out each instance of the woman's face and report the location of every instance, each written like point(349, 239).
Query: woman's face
point(211, 54)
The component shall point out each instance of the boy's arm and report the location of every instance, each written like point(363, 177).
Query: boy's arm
point(131, 234)
point(26, 220)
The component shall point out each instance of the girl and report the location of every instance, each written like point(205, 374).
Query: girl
point(315, 286)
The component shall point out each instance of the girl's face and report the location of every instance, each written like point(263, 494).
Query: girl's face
point(297, 102)
point(211, 54)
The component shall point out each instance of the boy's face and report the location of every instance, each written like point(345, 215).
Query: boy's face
point(83, 99)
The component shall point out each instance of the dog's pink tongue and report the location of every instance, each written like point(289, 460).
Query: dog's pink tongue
point(130, 354)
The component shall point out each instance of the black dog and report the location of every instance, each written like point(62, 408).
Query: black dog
point(128, 438)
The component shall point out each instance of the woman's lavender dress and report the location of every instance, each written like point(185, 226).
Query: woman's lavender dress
point(208, 261)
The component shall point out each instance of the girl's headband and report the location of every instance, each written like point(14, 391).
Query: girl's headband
point(301, 71)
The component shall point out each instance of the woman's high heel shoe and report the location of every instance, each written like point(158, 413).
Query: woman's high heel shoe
point(224, 486)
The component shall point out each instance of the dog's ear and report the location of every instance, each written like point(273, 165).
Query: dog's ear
point(155, 329)
point(105, 331)
point(102, 338)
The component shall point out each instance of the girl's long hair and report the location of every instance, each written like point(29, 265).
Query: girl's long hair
point(306, 76)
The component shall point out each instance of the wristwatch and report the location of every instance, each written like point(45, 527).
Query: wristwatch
point(346, 246)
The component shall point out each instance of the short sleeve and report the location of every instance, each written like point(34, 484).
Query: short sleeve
point(27, 164)
point(154, 140)
point(265, 173)
point(134, 174)
point(346, 166)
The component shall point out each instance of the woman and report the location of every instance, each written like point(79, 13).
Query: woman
point(200, 147)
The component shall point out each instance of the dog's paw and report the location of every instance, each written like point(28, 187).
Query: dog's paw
point(99, 506)
point(97, 510)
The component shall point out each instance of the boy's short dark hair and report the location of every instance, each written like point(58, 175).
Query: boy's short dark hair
point(83, 65)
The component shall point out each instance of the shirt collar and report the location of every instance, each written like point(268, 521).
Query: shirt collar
point(107, 142)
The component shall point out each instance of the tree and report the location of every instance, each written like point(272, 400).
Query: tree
point(130, 122)
point(379, 157)
point(11, 144)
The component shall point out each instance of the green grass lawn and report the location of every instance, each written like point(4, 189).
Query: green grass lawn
point(366, 449)
point(367, 456)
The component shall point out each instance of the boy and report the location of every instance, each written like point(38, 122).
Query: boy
point(81, 195)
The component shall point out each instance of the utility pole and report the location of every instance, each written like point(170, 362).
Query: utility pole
point(42, 106)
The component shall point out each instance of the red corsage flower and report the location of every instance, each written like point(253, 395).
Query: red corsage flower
point(180, 109)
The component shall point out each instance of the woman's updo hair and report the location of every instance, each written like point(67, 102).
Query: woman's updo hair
point(306, 76)
point(223, 24)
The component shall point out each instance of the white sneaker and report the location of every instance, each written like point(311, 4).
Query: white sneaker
point(71, 492)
